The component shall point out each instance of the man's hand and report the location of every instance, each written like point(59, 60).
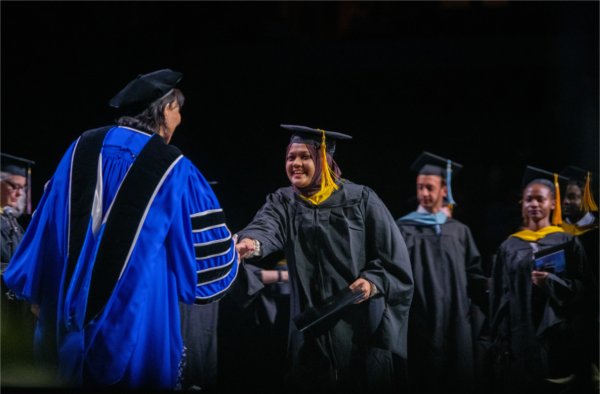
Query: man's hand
point(363, 286)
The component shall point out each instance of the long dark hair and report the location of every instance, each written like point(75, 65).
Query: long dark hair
point(152, 118)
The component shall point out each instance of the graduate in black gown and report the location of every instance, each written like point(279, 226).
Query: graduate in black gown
point(580, 211)
point(580, 218)
point(444, 319)
point(336, 235)
point(536, 303)
point(18, 321)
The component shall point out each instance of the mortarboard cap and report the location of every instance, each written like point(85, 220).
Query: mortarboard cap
point(18, 166)
point(303, 134)
point(145, 89)
point(588, 181)
point(15, 165)
point(429, 164)
point(578, 174)
point(533, 174)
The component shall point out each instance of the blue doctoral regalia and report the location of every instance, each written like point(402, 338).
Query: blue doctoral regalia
point(181, 249)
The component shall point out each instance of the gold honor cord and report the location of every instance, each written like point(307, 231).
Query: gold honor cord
point(328, 184)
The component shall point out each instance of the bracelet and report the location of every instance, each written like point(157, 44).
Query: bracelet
point(257, 251)
point(279, 277)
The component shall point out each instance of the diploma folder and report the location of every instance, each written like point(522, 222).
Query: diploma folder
point(551, 259)
point(330, 305)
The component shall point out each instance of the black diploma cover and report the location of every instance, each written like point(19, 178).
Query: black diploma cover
point(330, 305)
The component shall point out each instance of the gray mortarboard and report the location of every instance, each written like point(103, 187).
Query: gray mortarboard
point(588, 181)
point(533, 173)
point(144, 90)
point(18, 166)
point(429, 164)
point(304, 135)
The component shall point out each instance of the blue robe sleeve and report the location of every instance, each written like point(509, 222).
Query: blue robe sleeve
point(208, 245)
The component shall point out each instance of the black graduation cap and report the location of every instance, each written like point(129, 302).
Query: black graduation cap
point(579, 174)
point(429, 164)
point(303, 134)
point(18, 166)
point(145, 89)
point(15, 165)
point(533, 173)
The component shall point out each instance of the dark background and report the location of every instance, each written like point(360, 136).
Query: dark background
point(494, 86)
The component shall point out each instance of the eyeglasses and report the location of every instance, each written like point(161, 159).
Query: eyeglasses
point(13, 186)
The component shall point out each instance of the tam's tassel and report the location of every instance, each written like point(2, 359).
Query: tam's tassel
point(328, 184)
point(587, 202)
point(557, 215)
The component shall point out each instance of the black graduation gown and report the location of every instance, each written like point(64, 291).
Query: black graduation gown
point(11, 233)
point(253, 332)
point(446, 267)
point(18, 322)
point(536, 332)
point(199, 332)
point(327, 247)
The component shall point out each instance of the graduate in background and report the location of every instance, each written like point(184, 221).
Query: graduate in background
point(536, 301)
point(15, 200)
point(126, 228)
point(17, 320)
point(444, 323)
point(336, 235)
point(580, 213)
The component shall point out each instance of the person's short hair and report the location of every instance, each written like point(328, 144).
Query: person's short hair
point(152, 118)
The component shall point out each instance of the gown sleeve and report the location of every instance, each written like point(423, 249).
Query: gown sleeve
point(569, 289)
point(388, 265)
point(268, 225)
point(201, 241)
point(477, 282)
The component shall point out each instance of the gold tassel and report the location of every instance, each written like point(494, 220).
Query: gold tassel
point(328, 184)
point(557, 216)
point(587, 202)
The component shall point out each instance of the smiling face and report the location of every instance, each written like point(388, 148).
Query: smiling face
point(299, 165)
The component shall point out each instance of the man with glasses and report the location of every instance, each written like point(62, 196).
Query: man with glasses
point(13, 202)
point(17, 321)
